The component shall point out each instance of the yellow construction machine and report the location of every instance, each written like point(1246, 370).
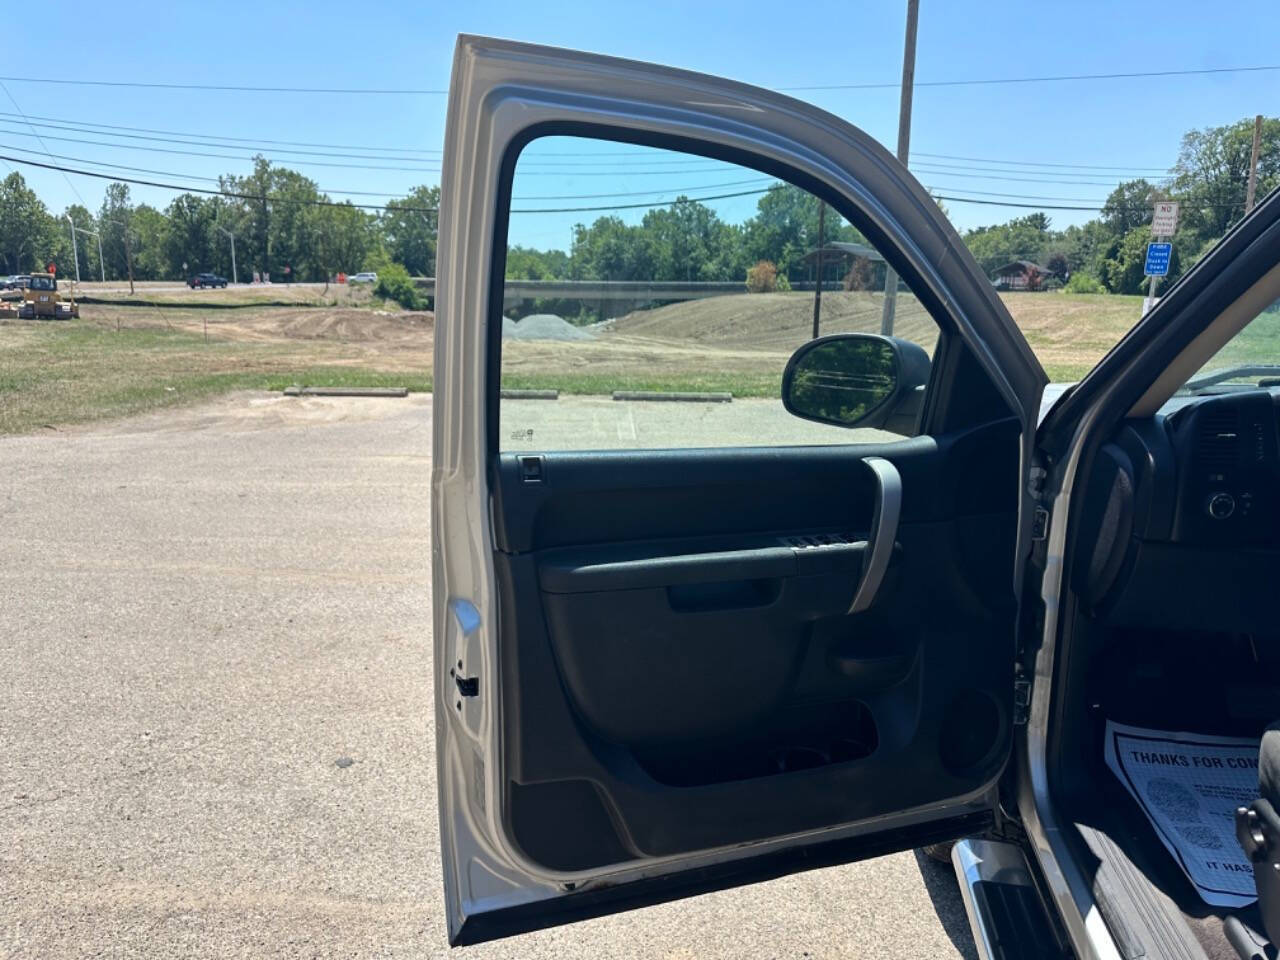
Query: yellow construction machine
point(42, 301)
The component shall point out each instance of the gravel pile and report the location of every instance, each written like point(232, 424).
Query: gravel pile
point(543, 326)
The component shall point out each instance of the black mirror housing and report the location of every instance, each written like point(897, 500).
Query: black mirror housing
point(856, 380)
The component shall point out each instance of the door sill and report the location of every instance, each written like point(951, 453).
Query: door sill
point(1005, 912)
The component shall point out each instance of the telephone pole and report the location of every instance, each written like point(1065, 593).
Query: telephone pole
point(128, 255)
point(1253, 164)
point(75, 255)
point(904, 145)
point(232, 237)
point(817, 290)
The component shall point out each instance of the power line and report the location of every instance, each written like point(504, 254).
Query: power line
point(199, 141)
point(1011, 179)
point(944, 168)
point(217, 193)
point(950, 169)
point(248, 140)
point(1039, 163)
point(573, 196)
point(1014, 196)
point(221, 156)
point(412, 91)
point(223, 140)
point(46, 150)
point(623, 160)
point(648, 193)
point(639, 206)
point(217, 86)
point(604, 159)
point(368, 206)
point(1081, 177)
point(1044, 79)
point(189, 176)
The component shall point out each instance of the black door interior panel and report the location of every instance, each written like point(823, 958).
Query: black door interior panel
point(681, 671)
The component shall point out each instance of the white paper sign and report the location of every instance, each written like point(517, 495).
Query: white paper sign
point(1189, 786)
point(1165, 219)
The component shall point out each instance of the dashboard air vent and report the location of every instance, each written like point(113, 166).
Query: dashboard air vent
point(1218, 442)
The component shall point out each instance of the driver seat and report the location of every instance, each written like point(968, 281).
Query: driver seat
point(1258, 830)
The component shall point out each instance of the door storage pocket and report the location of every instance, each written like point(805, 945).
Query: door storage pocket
point(797, 739)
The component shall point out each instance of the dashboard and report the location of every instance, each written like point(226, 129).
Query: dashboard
point(1181, 518)
point(1228, 464)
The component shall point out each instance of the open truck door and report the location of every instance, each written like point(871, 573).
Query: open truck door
point(662, 671)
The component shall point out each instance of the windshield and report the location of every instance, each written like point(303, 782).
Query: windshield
point(43, 283)
point(1248, 360)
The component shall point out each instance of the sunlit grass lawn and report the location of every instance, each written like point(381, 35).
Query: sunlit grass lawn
point(54, 373)
point(62, 373)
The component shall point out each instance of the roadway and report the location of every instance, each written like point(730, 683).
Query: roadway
point(205, 610)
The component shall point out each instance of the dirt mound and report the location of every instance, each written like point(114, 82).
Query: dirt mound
point(345, 325)
point(543, 326)
point(773, 321)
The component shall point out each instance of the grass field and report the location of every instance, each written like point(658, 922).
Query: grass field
point(130, 354)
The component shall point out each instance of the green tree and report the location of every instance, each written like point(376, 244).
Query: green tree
point(150, 244)
point(1086, 246)
point(609, 250)
point(342, 237)
point(687, 241)
point(27, 232)
point(409, 227)
point(116, 217)
point(272, 219)
point(1130, 205)
point(189, 238)
point(1022, 238)
point(1212, 174)
point(785, 228)
point(253, 216)
point(1124, 271)
point(525, 263)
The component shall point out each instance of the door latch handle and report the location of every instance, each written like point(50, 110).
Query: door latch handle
point(884, 531)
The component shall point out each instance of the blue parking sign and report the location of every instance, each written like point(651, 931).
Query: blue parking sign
point(1158, 255)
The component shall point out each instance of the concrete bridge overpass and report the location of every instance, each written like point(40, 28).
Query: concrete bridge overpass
point(617, 291)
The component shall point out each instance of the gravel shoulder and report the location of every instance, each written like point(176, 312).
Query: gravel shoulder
point(206, 610)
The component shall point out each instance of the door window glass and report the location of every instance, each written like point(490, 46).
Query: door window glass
point(653, 299)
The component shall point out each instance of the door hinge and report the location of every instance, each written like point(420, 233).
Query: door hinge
point(1021, 702)
point(1040, 524)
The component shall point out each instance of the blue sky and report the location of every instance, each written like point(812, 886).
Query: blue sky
point(1135, 124)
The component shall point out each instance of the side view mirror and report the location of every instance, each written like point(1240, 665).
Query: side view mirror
point(857, 380)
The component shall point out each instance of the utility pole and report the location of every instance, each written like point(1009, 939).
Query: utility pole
point(128, 258)
point(904, 145)
point(1253, 164)
point(102, 264)
point(128, 255)
point(234, 279)
point(817, 290)
point(75, 255)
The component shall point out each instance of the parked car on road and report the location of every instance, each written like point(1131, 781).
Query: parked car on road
point(206, 280)
point(1049, 636)
point(366, 277)
point(19, 281)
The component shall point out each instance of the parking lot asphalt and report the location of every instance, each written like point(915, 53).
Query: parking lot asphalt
point(204, 612)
